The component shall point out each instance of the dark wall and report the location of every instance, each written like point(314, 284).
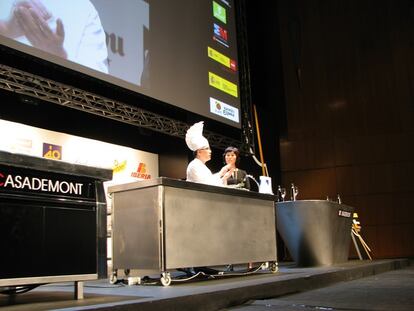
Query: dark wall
point(348, 71)
point(266, 83)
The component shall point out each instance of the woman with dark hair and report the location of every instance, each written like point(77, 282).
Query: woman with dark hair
point(238, 178)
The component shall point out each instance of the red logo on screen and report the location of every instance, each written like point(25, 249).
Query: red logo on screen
point(1, 176)
point(220, 32)
point(141, 172)
point(233, 65)
point(223, 34)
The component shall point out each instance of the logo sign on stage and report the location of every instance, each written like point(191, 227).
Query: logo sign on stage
point(126, 163)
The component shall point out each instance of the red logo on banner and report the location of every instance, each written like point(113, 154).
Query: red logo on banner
point(141, 172)
point(141, 168)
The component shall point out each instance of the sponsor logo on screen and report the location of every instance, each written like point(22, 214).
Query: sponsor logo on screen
point(40, 184)
point(221, 42)
point(221, 58)
point(219, 12)
point(220, 35)
point(233, 65)
point(226, 3)
point(224, 110)
point(222, 84)
point(220, 32)
point(51, 151)
point(141, 172)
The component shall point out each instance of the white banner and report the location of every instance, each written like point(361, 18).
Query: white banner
point(127, 164)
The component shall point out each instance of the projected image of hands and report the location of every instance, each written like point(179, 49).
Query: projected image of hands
point(69, 30)
point(21, 14)
point(30, 19)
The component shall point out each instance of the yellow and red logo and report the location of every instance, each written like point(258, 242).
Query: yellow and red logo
point(141, 172)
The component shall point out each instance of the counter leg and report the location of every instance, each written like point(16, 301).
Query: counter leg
point(78, 290)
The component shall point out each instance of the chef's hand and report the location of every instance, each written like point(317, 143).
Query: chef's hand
point(38, 32)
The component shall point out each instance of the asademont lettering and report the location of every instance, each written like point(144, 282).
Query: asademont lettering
point(41, 184)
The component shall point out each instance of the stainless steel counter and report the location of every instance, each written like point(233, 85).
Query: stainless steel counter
point(165, 224)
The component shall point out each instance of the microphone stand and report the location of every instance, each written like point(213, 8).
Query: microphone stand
point(252, 178)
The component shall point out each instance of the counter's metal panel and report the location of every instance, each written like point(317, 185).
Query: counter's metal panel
point(316, 232)
point(207, 229)
point(136, 229)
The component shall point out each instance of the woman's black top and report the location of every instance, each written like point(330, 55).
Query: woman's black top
point(239, 179)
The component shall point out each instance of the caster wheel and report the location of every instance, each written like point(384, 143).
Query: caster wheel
point(273, 267)
point(165, 279)
point(113, 279)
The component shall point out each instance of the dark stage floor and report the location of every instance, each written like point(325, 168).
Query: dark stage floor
point(392, 290)
point(207, 294)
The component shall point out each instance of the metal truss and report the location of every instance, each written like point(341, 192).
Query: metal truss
point(22, 82)
point(248, 133)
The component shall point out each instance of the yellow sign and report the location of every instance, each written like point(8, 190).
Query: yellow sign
point(218, 57)
point(119, 167)
point(222, 84)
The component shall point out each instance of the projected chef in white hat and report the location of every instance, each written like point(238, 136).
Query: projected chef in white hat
point(197, 171)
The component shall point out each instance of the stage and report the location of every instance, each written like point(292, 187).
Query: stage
point(197, 294)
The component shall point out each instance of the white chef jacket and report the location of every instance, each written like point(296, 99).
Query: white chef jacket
point(198, 172)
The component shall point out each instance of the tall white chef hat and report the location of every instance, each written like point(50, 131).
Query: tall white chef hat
point(194, 137)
